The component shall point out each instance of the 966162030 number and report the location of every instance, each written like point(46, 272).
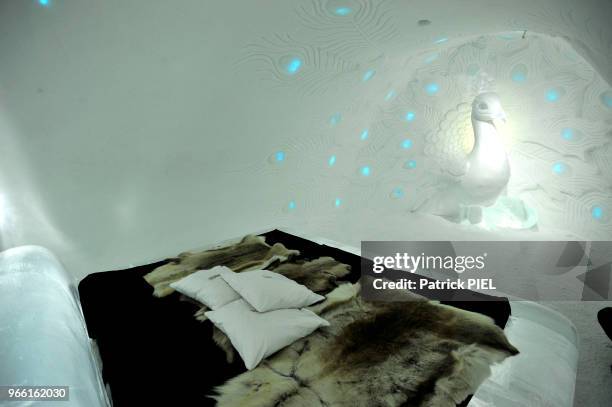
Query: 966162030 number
point(34, 393)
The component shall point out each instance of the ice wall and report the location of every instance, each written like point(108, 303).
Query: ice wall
point(133, 130)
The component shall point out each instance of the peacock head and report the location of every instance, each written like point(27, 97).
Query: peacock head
point(487, 107)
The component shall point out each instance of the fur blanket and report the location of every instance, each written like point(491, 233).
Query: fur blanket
point(415, 353)
point(250, 253)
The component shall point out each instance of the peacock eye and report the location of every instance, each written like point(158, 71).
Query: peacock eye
point(483, 106)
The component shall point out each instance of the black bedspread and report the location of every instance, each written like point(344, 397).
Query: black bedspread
point(153, 350)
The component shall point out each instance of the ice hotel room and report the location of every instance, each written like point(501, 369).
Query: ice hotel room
point(306, 203)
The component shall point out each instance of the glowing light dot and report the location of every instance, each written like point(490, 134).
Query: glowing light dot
point(43, 2)
point(335, 119)
point(410, 164)
point(398, 193)
point(332, 160)
point(552, 95)
point(390, 95)
point(432, 88)
point(337, 202)
point(567, 133)
point(559, 168)
point(365, 134)
point(279, 156)
point(407, 144)
point(519, 77)
point(431, 58)
point(606, 98)
point(597, 212)
point(410, 116)
point(368, 75)
point(343, 11)
point(365, 171)
point(291, 205)
point(294, 66)
point(509, 36)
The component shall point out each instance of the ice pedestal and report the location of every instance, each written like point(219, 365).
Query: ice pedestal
point(506, 213)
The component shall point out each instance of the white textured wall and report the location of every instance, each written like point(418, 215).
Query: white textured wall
point(131, 130)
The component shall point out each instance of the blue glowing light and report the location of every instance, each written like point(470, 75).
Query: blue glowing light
point(552, 95)
point(559, 168)
point(410, 164)
point(368, 75)
point(519, 73)
point(335, 119)
point(280, 156)
point(567, 133)
point(390, 95)
point(364, 134)
point(432, 88)
point(410, 116)
point(519, 77)
point(332, 160)
point(407, 144)
point(509, 36)
point(365, 171)
point(337, 202)
point(440, 40)
point(294, 66)
point(291, 205)
point(597, 212)
point(343, 11)
point(606, 98)
point(43, 3)
point(431, 58)
point(398, 193)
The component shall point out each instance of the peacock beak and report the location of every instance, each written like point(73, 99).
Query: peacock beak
point(500, 120)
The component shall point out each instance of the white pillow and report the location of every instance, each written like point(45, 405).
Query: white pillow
point(207, 287)
point(268, 291)
point(257, 335)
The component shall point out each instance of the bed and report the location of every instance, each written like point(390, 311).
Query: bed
point(153, 351)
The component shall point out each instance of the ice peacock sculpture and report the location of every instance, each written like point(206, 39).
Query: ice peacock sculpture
point(474, 189)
